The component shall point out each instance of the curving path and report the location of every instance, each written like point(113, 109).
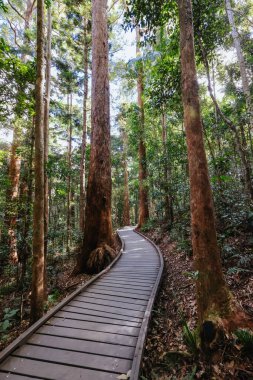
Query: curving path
point(97, 333)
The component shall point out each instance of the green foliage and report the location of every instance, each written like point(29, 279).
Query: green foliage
point(17, 83)
point(53, 297)
point(3, 6)
point(149, 14)
point(9, 316)
point(191, 376)
point(190, 339)
point(8, 288)
point(245, 337)
point(148, 225)
point(193, 275)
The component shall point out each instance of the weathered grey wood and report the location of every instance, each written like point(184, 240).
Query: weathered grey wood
point(95, 336)
point(117, 295)
point(104, 314)
point(133, 284)
point(133, 277)
point(105, 349)
point(53, 371)
point(94, 318)
point(98, 333)
point(116, 304)
point(121, 289)
point(84, 360)
point(116, 299)
point(94, 326)
point(144, 327)
point(12, 376)
point(115, 310)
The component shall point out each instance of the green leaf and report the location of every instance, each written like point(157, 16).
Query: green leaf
point(5, 325)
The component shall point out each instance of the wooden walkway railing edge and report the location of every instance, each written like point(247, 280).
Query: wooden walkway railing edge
point(147, 316)
point(21, 339)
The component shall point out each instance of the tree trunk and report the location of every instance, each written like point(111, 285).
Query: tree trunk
point(96, 251)
point(166, 172)
point(26, 192)
point(83, 153)
point(13, 196)
point(213, 297)
point(126, 207)
point(143, 189)
point(46, 139)
point(69, 155)
point(37, 295)
point(241, 61)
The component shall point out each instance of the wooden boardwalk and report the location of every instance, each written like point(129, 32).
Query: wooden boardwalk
point(97, 333)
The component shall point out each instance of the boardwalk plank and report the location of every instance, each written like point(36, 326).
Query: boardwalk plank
point(53, 371)
point(121, 289)
point(118, 295)
point(12, 376)
point(84, 360)
point(93, 318)
point(95, 336)
point(99, 313)
point(115, 310)
point(124, 305)
point(93, 326)
point(131, 284)
point(79, 345)
point(117, 299)
point(135, 280)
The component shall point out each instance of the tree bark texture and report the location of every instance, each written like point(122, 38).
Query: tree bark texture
point(46, 138)
point(143, 190)
point(84, 135)
point(26, 193)
point(13, 196)
point(69, 159)
point(37, 295)
point(166, 168)
point(213, 297)
point(98, 224)
point(126, 206)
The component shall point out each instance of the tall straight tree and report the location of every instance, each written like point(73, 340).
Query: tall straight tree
point(215, 303)
point(143, 191)
point(37, 296)
point(126, 205)
point(168, 205)
point(13, 195)
point(96, 251)
point(46, 134)
point(69, 176)
point(84, 135)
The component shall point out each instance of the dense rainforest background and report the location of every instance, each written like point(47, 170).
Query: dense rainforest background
point(78, 160)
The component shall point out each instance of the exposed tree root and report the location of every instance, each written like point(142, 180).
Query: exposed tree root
point(213, 331)
point(100, 258)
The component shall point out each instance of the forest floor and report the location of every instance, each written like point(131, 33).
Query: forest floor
point(169, 354)
point(15, 304)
